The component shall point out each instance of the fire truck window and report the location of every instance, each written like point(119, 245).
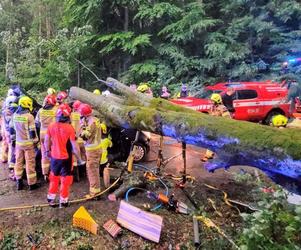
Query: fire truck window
point(246, 94)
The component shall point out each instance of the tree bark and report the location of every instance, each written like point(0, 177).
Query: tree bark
point(235, 142)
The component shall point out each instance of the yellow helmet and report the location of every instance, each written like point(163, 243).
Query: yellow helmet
point(25, 102)
point(279, 121)
point(51, 91)
point(143, 88)
point(103, 127)
point(216, 98)
point(97, 92)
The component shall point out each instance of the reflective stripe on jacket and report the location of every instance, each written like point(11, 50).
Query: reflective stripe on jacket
point(45, 117)
point(92, 124)
point(23, 124)
point(75, 122)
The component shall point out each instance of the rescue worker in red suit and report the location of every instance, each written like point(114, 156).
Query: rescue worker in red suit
point(26, 138)
point(46, 116)
point(91, 134)
point(60, 141)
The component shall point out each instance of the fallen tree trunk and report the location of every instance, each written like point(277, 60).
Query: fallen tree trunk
point(235, 142)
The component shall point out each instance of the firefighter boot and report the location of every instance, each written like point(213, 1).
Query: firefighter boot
point(51, 202)
point(34, 186)
point(20, 184)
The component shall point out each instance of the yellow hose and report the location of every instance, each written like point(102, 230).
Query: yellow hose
point(71, 202)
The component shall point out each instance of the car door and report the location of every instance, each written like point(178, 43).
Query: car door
point(247, 105)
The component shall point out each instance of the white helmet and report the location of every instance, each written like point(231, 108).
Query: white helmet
point(10, 92)
point(9, 100)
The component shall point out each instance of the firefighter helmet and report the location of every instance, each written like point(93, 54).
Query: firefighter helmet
point(50, 100)
point(26, 103)
point(143, 88)
point(63, 110)
point(11, 92)
point(97, 92)
point(51, 91)
point(216, 98)
point(76, 105)
point(10, 99)
point(279, 121)
point(61, 96)
point(85, 110)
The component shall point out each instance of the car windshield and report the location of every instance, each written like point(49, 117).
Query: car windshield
point(206, 93)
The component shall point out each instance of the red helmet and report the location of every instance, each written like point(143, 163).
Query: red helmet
point(85, 110)
point(62, 95)
point(64, 110)
point(76, 105)
point(50, 100)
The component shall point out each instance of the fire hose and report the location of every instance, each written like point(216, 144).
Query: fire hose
point(71, 202)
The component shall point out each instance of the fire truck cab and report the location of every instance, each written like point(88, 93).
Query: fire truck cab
point(253, 101)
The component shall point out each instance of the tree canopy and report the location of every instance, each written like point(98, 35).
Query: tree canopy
point(155, 41)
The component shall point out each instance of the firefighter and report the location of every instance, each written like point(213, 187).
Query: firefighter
point(26, 137)
point(294, 91)
point(218, 109)
point(279, 121)
point(61, 97)
point(59, 143)
point(184, 92)
point(105, 143)
point(91, 134)
point(75, 122)
point(46, 116)
point(145, 89)
point(6, 117)
point(97, 92)
point(12, 107)
point(227, 100)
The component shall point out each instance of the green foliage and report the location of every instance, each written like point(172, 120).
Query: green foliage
point(154, 12)
point(71, 236)
point(10, 242)
point(125, 41)
point(275, 226)
point(192, 22)
point(243, 177)
point(84, 247)
point(163, 42)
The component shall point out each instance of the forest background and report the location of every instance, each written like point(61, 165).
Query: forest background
point(155, 41)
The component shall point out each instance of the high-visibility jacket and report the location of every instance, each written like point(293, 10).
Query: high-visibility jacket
point(105, 144)
point(91, 133)
point(76, 124)
point(45, 117)
point(7, 116)
point(24, 126)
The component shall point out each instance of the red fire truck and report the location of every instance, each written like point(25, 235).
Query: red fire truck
point(253, 101)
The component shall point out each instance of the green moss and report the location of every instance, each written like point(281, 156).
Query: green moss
point(250, 135)
point(142, 117)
